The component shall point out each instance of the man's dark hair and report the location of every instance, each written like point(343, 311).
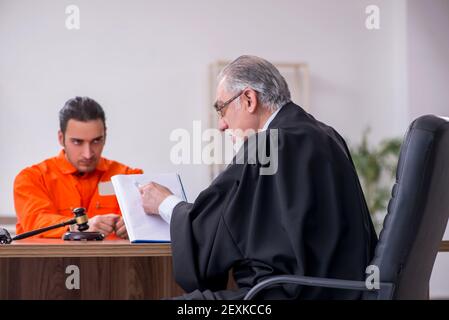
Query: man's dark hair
point(80, 109)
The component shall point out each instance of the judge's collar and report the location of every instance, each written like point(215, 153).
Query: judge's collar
point(267, 123)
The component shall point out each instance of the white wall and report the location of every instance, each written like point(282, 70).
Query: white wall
point(428, 57)
point(147, 62)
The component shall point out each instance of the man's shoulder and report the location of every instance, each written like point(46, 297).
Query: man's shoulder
point(305, 128)
point(310, 137)
point(116, 167)
point(36, 170)
point(304, 133)
point(294, 120)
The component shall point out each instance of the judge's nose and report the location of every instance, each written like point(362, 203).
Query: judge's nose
point(222, 124)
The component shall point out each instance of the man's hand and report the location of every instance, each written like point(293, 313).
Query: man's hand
point(152, 196)
point(120, 229)
point(103, 223)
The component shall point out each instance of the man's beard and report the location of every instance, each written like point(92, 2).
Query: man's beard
point(87, 167)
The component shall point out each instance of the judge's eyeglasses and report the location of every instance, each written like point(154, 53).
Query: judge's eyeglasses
point(220, 106)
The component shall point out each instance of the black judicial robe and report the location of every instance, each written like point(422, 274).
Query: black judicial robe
point(309, 218)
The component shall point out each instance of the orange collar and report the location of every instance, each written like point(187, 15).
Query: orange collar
point(67, 168)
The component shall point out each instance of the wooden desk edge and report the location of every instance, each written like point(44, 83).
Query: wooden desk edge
point(85, 250)
point(103, 250)
point(444, 247)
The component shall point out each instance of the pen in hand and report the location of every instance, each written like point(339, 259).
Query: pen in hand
point(139, 186)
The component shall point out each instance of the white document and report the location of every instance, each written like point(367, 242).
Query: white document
point(142, 227)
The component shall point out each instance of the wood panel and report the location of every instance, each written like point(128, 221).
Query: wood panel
point(444, 247)
point(39, 247)
point(100, 278)
point(112, 269)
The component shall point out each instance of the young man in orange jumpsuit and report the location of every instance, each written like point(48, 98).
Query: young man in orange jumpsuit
point(46, 193)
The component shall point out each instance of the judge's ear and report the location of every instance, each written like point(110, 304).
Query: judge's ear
point(249, 99)
point(61, 138)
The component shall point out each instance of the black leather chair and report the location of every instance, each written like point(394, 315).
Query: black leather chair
point(414, 225)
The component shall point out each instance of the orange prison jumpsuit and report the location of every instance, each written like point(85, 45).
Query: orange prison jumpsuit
point(46, 193)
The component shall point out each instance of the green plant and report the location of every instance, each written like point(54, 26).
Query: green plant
point(376, 167)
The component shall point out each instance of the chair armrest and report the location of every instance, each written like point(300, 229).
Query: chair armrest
point(384, 292)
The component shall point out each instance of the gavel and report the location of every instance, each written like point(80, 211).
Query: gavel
point(81, 220)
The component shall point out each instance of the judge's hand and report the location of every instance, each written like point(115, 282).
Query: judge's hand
point(152, 196)
point(103, 223)
point(120, 229)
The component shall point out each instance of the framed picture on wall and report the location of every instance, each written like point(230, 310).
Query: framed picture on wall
point(297, 77)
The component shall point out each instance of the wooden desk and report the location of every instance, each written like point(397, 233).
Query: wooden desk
point(444, 247)
point(36, 269)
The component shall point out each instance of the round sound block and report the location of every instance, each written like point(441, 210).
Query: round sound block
point(83, 236)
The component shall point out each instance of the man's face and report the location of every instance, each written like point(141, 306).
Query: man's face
point(83, 143)
point(238, 116)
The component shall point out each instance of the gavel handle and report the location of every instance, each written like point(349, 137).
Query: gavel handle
point(38, 231)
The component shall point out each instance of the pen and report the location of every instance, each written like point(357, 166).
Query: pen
point(138, 185)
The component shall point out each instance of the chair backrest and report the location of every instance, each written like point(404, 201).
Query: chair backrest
point(418, 210)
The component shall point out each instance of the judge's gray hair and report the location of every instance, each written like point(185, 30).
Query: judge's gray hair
point(260, 75)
